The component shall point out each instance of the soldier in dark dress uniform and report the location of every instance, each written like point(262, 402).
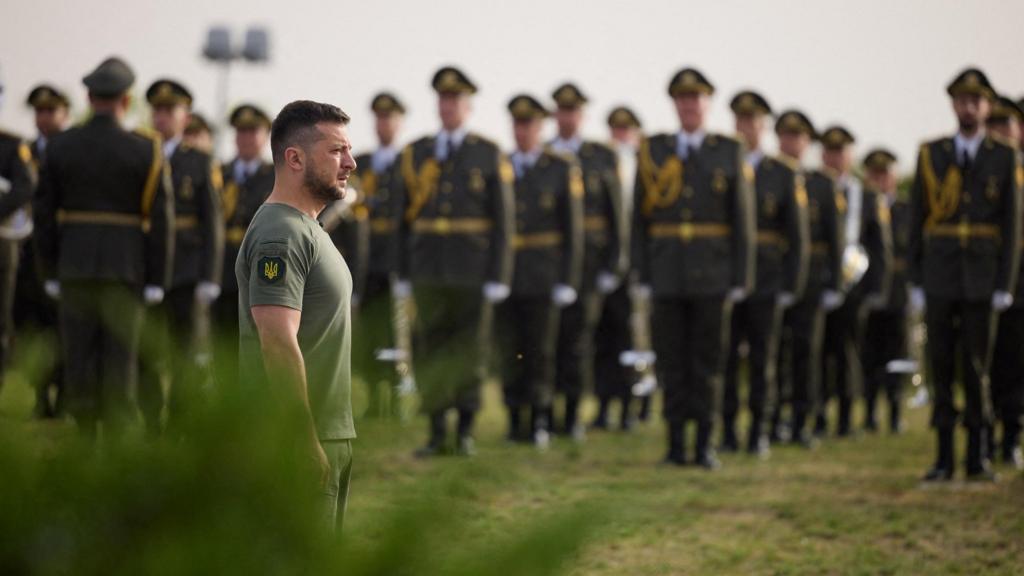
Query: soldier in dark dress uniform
point(694, 248)
point(104, 220)
point(885, 337)
point(1007, 360)
point(548, 245)
point(804, 322)
point(248, 180)
point(782, 256)
point(964, 256)
point(176, 330)
point(603, 267)
point(374, 179)
point(36, 313)
point(455, 250)
point(866, 265)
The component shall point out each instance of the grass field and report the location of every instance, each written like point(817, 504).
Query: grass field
point(851, 507)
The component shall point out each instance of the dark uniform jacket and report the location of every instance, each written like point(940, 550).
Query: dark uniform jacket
point(104, 210)
point(548, 241)
point(694, 231)
point(457, 215)
point(377, 202)
point(825, 221)
point(199, 229)
point(876, 238)
point(965, 228)
point(239, 202)
point(602, 205)
point(17, 168)
point(783, 245)
point(900, 225)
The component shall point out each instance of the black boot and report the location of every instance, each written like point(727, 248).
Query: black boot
point(775, 428)
point(870, 422)
point(942, 470)
point(978, 468)
point(645, 409)
point(515, 424)
point(730, 443)
point(706, 457)
point(990, 441)
point(1011, 451)
point(626, 421)
point(438, 434)
point(466, 445)
point(799, 434)
point(601, 421)
point(843, 429)
point(757, 440)
point(572, 409)
point(820, 424)
point(676, 444)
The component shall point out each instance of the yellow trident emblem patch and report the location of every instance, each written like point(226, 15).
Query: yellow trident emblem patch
point(271, 269)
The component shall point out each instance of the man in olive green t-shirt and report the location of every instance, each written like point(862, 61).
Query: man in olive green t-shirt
point(295, 291)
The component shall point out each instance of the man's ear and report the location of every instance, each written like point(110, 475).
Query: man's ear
point(295, 158)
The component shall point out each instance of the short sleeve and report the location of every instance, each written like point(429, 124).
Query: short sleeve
point(277, 273)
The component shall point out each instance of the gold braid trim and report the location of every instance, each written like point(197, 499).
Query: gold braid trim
point(942, 198)
point(229, 200)
point(662, 186)
point(422, 185)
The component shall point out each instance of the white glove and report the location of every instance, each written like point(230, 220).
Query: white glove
point(785, 299)
point(401, 289)
point(495, 292)
point(736, 294)
point(830, 300)
point(917, 299)
point(643, 291)
point(152, 295)
point(607, 282)
point(1001, 300)
point(563, 295)
point(207, 292)
point(52, 289)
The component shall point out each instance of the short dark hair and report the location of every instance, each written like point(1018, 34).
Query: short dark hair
point(295, 125)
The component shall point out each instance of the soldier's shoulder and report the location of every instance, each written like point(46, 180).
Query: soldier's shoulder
point(7, 137)
point(476, 140)
point(819, 176)
point(195, 154)
point(420, 143)
point(729, 143)
point(557, 158)
point(663, 141)
point(363, 159)
point(937, 143)
point(599, 149)
point(781, 163)
point(1000, 145)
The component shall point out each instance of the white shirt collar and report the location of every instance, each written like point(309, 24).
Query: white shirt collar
point(383, 158)
point(41, 143)
point(453, 139)
point(571, 145)
point(754, 158)
point(244, 169)
point(686, 140)
point(970, 144)
point(523, 161)
point(170, 146)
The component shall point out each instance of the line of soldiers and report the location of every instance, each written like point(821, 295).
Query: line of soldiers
point(562, 251)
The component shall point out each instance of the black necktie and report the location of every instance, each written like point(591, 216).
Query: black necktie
point(965, 160)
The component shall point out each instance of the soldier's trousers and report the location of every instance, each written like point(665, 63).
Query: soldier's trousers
point(575, 352)
point(885, 340)
point(9, 252)
point(758, 322)
point(36, 313)
point(224, 320)
point(840, 353)
point(613, 337)
point(1008, 369)
point(526, 328)
point(101, 321)
point(689, 339)
point(805, 323)
point(451, 342)
point(167, 348)
point(374, 330)
point(971, 326)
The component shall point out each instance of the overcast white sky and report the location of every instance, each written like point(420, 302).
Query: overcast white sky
point(879, 66)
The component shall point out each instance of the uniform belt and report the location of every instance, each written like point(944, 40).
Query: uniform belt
point(102, 218)
point(687, 231)
point(234, 235)
point(382, 225)
point(446, 226)
point(964, 231)
point(770, 237)
point(595, 224)
point(186, 222)
point(819, 249)
point(537, 240)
